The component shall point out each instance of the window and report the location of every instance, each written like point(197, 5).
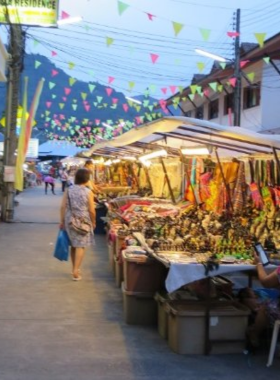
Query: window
point(251, 96)
point(228, 103)
point(188, 113)
point(199, 114)
point(213, 110)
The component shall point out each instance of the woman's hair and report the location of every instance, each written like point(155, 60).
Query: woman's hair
point(88, 163)
point(82, 176)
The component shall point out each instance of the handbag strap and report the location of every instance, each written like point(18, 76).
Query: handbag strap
point(69, 201)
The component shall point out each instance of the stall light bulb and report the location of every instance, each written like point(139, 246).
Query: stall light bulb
point(149, 156)
point(195, 151)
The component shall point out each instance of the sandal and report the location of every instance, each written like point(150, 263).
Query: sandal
point(77, 278)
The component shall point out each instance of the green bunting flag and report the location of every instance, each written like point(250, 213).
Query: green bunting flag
point(251, 77)
point(205, 33)
point(72, 81)
point(146, 103)
point(223, 65)
point(109, 41)
point(122, 7)
point(152, 88)
point(193, 88)
point(267, 60)
point(35, 42)
point(177, 61)
point(47, 113)
point(151, 108)
point(51, 85)
point(83, 95)
point(213, 85)
point(74, 106)
point(53, 96)
point(99, 99)
point(37, 64)
point(177, 27)
point(181, 89)
point(191, 96)
point(220, 88)
point(200, 66)
point(91, 87)
point(61, 105)
point(260, 37)
point(71, 65)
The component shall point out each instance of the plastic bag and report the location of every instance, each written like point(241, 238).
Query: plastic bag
point(62, 246)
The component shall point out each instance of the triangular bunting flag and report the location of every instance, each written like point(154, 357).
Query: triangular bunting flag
point(260, 37)
point(243, 63)
point(64, 15)
point(37, 64)
point(251, 77)
point(48, 104)
point(71, 65)
point(205, 33)
point(122, 7)
point(220, 88)
point(152, 88)
point(53, 96)
point(154, 57)
point(164, 90)
point(61, 105)
point(213, 85)
point(54, 73)
point(191, 96)
point(200, 66)
point(125, 107)
point(109, 41)
point(35, 42)
point(67, 90)
point(173, 89)
point(83, 95)
point(72, 81)
point(54, 53)
point(223, 65)
point(87, 107)
point(193, 88)
point(51, 85)
point(232, 81)
point(150, 16)
point(266, 59)
point(99, 99)
point(91, 87)
point(181, 89)
point(131, 85)
point(110, 80)
point(177, 27)
point(233, 34)
point(109, 91)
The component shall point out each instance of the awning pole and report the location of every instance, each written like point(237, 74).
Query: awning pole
point(167, 180)
point(183, 160)
point(224, 179)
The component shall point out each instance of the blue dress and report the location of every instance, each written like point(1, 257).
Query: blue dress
point(80, 207)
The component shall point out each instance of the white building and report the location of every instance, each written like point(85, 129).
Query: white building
point(3, 60)
point(260, 95)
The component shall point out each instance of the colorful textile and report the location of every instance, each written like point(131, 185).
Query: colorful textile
point(239, 196)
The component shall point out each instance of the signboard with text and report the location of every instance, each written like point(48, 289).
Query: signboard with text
point(29, 12)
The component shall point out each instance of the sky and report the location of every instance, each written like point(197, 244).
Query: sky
point(135, 36)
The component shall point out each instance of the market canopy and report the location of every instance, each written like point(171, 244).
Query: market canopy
point(176, 132)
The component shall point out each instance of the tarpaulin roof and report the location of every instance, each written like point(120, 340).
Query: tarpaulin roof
point(176, 132)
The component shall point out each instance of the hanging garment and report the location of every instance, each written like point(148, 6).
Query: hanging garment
point(239, 195)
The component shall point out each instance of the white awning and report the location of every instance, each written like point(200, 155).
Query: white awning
point(176, 132)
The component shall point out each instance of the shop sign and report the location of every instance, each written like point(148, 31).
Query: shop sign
point(29, 12)
point(33, 148)
point(9, 173)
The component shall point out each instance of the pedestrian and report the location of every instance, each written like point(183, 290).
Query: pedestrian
point(64, 178)
point(78, 201)
point(49, 180)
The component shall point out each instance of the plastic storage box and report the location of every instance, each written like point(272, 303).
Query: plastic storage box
point(143, 274)
point(162, 316)
point(140, 308)
point(118, 272)
point(186, 327)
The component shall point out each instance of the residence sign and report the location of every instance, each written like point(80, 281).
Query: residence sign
point(29, 12)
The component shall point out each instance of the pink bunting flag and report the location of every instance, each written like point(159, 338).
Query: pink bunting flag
point(164, 90)
point(64, 98)
point(110, 80)
point(150, 16)
point(87, 107)
point(232, 81)
point(233, 34)
point(162, 103)
point(62, 117)
point(46, 125)
point(154, 57)
point(88, 129)
point(109, 91)
point(54, 53)
point(206, 92)
point(85, 102)
point(54, 73)
point(138, 119)
point(243, 63)
point(115, 100)
point(173, 89)
point(97, 121)
point(125, 107)
point(48, 104)
point(64, 15)
point(67, 90)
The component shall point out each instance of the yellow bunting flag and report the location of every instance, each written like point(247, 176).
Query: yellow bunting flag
point(109, 41)
point(260, 37)
point(177, 27)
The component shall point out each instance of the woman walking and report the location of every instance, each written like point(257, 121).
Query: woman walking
point(78, 201)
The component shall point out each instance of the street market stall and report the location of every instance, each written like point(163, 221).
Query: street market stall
point(229, 184)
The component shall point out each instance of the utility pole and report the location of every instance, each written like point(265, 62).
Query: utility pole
point(237, 73)
point(12, 95)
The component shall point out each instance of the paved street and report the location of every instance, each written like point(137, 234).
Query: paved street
point(54, 328)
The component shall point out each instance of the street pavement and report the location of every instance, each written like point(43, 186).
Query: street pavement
point(54, 328)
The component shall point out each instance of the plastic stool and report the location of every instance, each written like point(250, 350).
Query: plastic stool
point(273, 342)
